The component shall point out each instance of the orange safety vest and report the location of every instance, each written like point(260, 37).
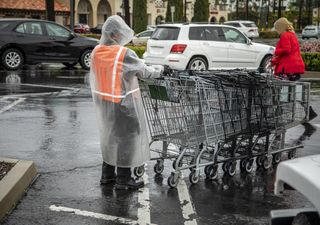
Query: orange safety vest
point(107, 62)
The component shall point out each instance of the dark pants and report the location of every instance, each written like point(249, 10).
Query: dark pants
point(123, 174)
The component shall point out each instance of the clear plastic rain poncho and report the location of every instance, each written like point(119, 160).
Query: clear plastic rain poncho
point(114, 77)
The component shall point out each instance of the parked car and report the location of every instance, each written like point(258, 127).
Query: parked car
point(29, 41)
point(202, 47)
point(81, 28)
point(97, 29)
point(151, 27)
point(302, 175)
point(311, 31)
point(249, 28)
point(142, 38)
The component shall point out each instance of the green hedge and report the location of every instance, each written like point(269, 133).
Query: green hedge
point(268, 34)
point(96, 36)
point(311, 60)
point(138, 49)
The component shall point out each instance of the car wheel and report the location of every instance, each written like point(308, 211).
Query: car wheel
point(70, 65)
point(305, 219)
point(265, 63)
point(197, 63)
point(12, 59)
point(85, 59)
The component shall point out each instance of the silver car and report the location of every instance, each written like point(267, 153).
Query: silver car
point(311, 32)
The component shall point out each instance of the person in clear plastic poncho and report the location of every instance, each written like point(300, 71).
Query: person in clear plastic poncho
point(114, 84)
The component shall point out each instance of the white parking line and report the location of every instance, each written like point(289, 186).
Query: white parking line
point(48, 86)
point(144, 217)
point(186, 205)
point(92, 214)
point(144, 200)
point(6, 108)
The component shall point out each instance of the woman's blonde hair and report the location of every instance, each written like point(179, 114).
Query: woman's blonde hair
point(282, 25)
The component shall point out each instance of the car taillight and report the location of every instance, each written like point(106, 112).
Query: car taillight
point(178, 48)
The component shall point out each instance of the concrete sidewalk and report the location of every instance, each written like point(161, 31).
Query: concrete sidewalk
point(311, 74)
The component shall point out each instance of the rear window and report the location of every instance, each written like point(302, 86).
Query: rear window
point(166, 33)
point(4, 25)
point(249, 24)
point(206, 34)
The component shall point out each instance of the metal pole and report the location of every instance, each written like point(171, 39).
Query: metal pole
point(71, 15)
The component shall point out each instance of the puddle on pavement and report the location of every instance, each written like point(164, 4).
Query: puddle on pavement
point(44, 80)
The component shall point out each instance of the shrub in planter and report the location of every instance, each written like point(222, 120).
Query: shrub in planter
point(268, 34)
point(311, 60)
point(139, 50)
point(96, 36)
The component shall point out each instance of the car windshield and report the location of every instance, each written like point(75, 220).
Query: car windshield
point(166, 33)
point(249, 24)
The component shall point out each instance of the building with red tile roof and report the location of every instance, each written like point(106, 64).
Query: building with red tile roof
point(33, 9)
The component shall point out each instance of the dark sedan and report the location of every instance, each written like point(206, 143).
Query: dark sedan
point(29, 41)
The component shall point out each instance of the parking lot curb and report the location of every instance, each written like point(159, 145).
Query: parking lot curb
point(15, 183)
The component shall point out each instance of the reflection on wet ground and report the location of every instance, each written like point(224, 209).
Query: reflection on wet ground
point(59, 132)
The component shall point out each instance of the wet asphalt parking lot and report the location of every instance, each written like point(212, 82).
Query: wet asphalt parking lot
point(47, 116)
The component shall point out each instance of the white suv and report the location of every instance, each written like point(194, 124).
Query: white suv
point(249, 28)
point(205, 46)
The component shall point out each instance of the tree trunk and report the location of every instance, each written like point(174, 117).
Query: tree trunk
point(50, 10)
point(267, 17)
point(126, 11)
point(237, 9)
point(300, 14)
point(279, 8)
point(309, 11)
point(247, 9)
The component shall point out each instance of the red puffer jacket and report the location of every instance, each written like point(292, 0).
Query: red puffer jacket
point(288, 59)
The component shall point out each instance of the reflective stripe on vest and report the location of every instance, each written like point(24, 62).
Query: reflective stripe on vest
point(108, 68)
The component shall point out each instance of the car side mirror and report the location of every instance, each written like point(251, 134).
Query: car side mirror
point(249, 42)
point(71, 36)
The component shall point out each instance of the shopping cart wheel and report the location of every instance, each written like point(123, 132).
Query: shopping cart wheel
point(266, 162)
point(276, 158)
point(231, 168)
point(243, 164)
point(211, 172)
point(259, 161)
point(138, 171)
point(246, 165)
point(173, 180)
point(225, 166)
point(193, 177)
point(292, 154)
point(158, 167)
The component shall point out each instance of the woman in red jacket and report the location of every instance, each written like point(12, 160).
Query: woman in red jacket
point(287, 60)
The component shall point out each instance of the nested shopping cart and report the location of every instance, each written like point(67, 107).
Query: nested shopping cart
point(220, 117)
